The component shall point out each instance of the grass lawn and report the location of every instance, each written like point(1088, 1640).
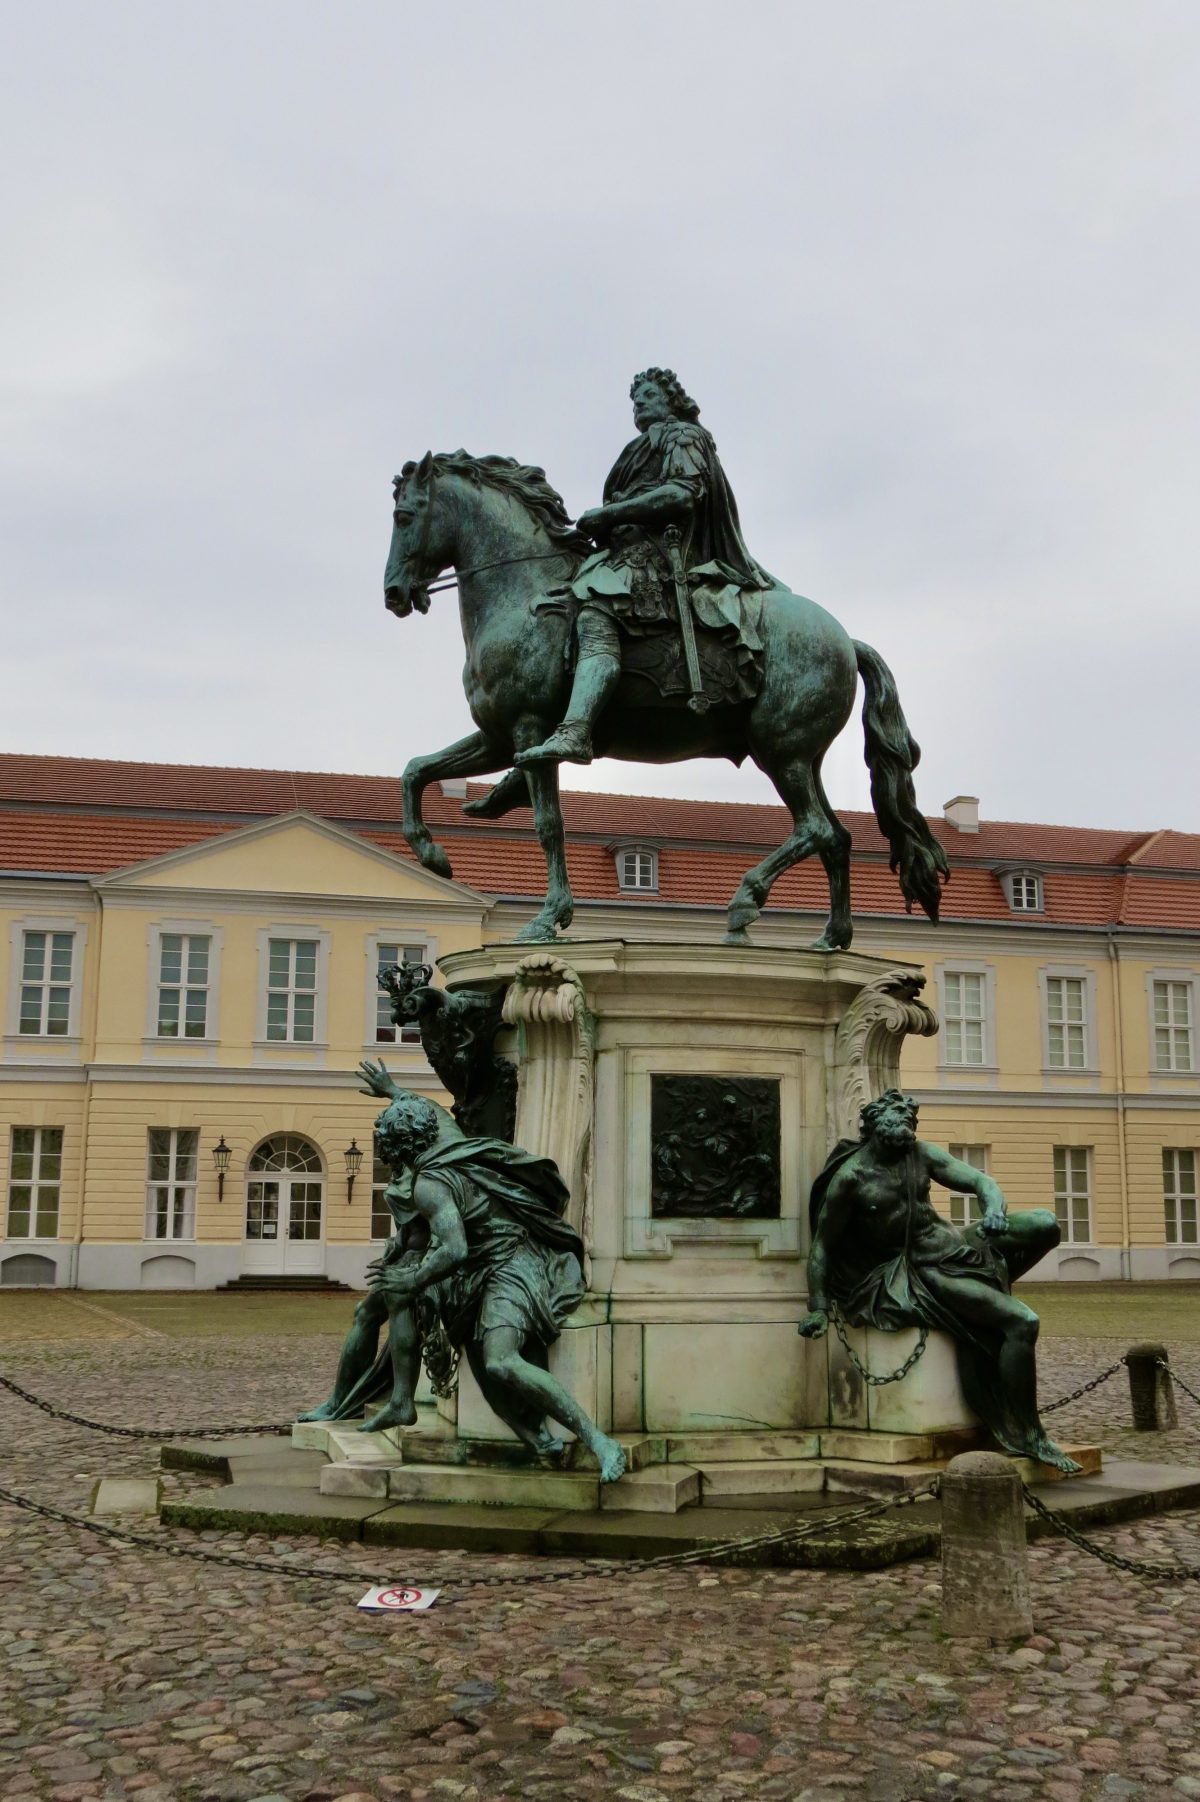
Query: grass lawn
point(1168, 1312)
point(43, 1314)
point(1128, 1311)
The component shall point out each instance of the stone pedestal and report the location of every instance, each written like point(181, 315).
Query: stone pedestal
point(690, 1093)
point(928, 1400)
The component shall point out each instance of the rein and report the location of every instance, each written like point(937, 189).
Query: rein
point(500, 563)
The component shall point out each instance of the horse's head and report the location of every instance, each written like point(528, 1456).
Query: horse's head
point(489, 513)
point(416, 555)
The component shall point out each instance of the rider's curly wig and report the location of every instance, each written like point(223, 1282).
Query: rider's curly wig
point(681, 402)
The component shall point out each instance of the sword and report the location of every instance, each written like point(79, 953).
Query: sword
point(698, 701)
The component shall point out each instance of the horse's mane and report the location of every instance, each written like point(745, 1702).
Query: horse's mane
point(526, 483)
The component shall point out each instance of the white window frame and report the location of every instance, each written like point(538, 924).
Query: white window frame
point(392, 936)
point(1180, 1187)
point(297, 931)
point(184, 928)
point(1185, 980)
point(986, 971)
point(1009, 881)
point(48, 923)
point(35, 1185)
point(1070, 1194)
point(173, 1186)
point(1070, 973)
point(966, 1209)
point(636, 851)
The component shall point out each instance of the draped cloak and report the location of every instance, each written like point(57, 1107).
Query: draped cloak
point(629, 577)
point(892, 1293)
point(524, 1262)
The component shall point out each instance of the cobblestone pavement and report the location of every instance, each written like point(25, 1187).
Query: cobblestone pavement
point(127, 1675)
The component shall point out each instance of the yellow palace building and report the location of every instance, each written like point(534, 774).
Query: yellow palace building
point(191, 979)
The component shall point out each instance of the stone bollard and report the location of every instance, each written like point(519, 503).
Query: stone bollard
point(1151, 1393)
point(985, 1576)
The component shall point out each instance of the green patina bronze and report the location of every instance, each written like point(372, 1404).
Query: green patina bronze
point(884, 1258)
point(646, 631)
point(482, 1263)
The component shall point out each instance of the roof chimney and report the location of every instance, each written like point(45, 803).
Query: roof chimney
point(962, 812)
point(454, 788)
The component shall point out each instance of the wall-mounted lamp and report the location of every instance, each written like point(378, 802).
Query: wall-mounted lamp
point(354, 1158)
point(221, 1157)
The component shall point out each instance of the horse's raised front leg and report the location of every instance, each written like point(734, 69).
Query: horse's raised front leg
point(473, 756)
point(814, 831)
point(559, 906)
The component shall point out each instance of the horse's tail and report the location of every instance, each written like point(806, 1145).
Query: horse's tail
point(892, 754)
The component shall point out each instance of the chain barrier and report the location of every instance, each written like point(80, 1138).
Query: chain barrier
point(1177, 1380)
point(159, 1433)
point(1137, 1567)
point(1084, 1388)
point(868, 1376)
point(709, 1554)
point(280, 1427)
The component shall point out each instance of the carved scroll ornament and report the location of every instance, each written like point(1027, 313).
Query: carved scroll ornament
point(867, 1048)
point(555, 1081)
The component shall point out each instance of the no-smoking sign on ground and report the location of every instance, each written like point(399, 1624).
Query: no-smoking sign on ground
point(399, 1599)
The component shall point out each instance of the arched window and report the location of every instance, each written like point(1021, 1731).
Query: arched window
point(286, 1151)
point(285, 1192)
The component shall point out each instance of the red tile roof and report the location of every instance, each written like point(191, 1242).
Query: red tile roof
point(84, 816)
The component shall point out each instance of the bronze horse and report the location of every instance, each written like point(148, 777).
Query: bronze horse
point(505, 532)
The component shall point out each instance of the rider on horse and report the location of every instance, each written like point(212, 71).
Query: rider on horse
point(670, 547)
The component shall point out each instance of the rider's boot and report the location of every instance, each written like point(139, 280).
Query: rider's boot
point(511, 791)
point(595, 679)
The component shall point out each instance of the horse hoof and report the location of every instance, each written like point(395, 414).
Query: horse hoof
point(737, 935)
point(538, 932)
point(826, 943)
point(432, 857)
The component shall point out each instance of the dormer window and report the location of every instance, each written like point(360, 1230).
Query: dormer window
point(1023, 891)
point(637, 869)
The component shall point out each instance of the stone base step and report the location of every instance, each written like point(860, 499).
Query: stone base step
point(342, 1439)
point(657, 1489)
point(844, 1476)
point(1126, 1491)
point(761, 1476)
point(739, 1447)
point(898, 1448)
point(433, 1441)
point(653, 1489)
point(531, 1488)
point(284, 1285)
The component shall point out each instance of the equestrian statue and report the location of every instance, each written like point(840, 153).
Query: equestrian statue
point(645, 631)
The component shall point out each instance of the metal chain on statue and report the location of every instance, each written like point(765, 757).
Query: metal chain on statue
point(160, 1433)
point(439, 1356)
point(1136, 1567)
point(869, 1376)
point(709, 1554)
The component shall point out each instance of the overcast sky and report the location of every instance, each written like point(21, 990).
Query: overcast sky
point(931, 270)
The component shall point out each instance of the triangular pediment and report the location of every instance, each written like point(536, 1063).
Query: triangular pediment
point(293, 854)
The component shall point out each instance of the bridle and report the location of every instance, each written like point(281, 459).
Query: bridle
point(419, 557)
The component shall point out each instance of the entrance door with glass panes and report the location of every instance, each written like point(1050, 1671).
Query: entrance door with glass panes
point(285, 1193)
